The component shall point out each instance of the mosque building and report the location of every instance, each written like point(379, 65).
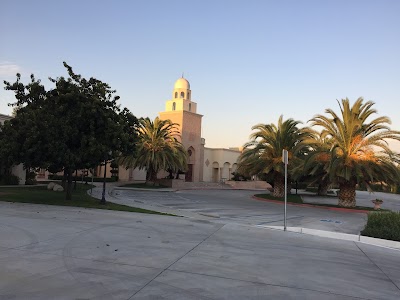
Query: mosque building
point(205, 164)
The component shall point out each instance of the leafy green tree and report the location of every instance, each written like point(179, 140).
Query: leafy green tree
point(75, 125)
point(157, 148)
point(359, 150)
point(263, 154)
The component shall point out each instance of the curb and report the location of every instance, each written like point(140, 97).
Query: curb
point(339, 236)
point(314, 206)
point(144, 190)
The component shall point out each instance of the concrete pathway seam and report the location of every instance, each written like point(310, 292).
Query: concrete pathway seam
point(178, 259)
point(390, 279)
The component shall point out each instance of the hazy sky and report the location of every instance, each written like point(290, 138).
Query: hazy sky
point(247, 61)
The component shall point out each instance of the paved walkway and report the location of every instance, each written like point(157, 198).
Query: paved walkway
point(50, 252)
point(238, 207)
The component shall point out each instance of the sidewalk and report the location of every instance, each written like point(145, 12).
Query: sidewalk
point(52, 252)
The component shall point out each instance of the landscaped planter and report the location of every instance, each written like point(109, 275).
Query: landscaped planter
point(377, 203)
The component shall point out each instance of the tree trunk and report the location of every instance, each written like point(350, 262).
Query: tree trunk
point(151, 177)
point(76, 175)
point(323, 188)
point(279, 186)
point(68, 194)
point(103, 194)
point(347, 194)
point(64, 180)
point(289, 184)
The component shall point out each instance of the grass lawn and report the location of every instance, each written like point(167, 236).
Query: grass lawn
point(80, 198)
point(144, 186)
point(292, 198)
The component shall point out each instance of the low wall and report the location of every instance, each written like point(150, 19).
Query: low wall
point(172, 183)
point(181, 184)
point(249, 185)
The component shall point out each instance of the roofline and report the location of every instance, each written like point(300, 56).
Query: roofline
point(7, 116)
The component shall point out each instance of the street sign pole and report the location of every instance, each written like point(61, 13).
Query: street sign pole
point(285, 161)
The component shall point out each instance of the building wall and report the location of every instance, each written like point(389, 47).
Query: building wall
point(219, 163)
point(190, 129)
point(131, 174)
point(4, 118)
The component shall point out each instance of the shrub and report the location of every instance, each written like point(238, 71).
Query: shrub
point(9, 179)
point(383, 225)
point(239, 177)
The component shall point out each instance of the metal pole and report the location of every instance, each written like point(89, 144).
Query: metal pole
point(103, 196)
point(91, 188)
point(285, 159)
point(284, 226)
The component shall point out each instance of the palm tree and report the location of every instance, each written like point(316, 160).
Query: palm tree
point(316, 162)
point(263, 154)
point(157, 149)
point(359, 151)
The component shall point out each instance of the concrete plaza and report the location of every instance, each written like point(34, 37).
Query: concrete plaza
point(50, 252)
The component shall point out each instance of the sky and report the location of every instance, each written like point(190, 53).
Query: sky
point(247, 62)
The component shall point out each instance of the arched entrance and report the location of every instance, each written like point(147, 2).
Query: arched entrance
point(226, 175)
point(215, 172)
point(191, 160)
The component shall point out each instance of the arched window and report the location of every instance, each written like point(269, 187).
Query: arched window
point(174, 106)
point(182, 95)
point(176, 94)
point(188, 95)
point(190, 106)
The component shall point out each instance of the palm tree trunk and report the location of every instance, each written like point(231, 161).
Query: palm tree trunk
point(279, 186)
point(347, 194)
point(289, 184)
point(323, 187)
point(151, 176)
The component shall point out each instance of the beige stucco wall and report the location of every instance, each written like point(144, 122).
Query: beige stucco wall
point(20, 172)
point(190, 128)
point(219, 163)
point(4, 118)
point(181, 104)
point(249, 185)
point(131, 174)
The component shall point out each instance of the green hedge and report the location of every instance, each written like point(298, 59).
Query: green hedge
point(9, 179)
point(383, 225)
point(79, 178)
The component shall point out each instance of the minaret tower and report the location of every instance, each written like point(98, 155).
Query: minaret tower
point(183, 111)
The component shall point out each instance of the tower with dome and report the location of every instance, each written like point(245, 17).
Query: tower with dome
point(205, 164)
point(181, 110)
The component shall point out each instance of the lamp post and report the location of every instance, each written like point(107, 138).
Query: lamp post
point(103, 195)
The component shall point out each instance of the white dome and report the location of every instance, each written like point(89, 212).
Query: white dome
point(182, 83)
